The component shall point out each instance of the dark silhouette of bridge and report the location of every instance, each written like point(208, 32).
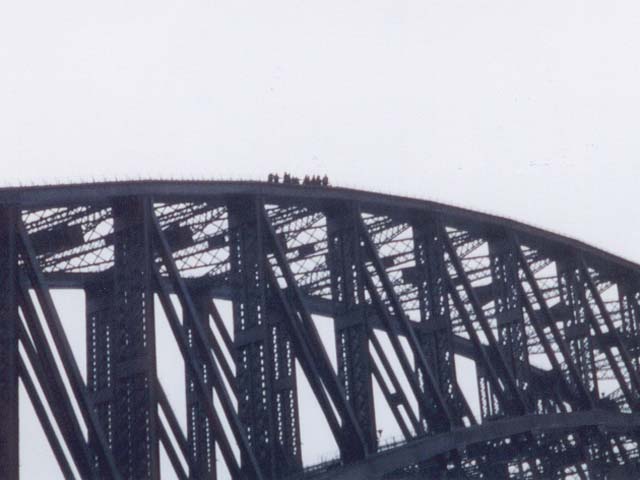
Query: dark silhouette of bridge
point(551, 325)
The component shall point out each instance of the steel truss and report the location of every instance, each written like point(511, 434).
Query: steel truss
point(550, 325)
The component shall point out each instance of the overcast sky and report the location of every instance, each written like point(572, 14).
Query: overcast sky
point(524, 109)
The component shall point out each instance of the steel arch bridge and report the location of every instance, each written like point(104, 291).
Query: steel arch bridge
point(410, 287)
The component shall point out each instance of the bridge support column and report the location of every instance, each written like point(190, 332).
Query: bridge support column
point(200, 437)
point(288, 454)
point(512, 338)
point(576, 326)
point(265, 366)
point(135, 436)
point(351, 329)
point(100, 379)
point(9, 424)
point(433, 297)
point(629, 298)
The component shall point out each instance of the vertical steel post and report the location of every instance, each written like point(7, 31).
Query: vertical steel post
point(9, 426)
point(433, 295)
point(100, 379)
point(351, 329)
point(489, 404)
point(200, 437)
point(512, 337)
point(288, 454)
point(252, 350)
point(265, 369)
point(504, 384)
point(135, 435)
point(576, 327)
point(310, 350)
point(392, 304)
point(630, 316)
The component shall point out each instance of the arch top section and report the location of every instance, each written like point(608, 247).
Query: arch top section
point(315, 197)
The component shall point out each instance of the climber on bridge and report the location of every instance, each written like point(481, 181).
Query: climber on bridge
point(307, 180)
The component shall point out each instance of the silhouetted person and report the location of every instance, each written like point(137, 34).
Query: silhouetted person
point(287, 178)
point(325, 181)
point(276, 178)
point(270, 178)
point(306, 180)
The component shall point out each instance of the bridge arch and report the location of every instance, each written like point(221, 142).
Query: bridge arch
point(550, 323)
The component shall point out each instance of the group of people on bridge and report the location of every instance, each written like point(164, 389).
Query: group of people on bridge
point(315, 180)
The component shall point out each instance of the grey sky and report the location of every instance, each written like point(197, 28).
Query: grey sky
point(524, 109)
